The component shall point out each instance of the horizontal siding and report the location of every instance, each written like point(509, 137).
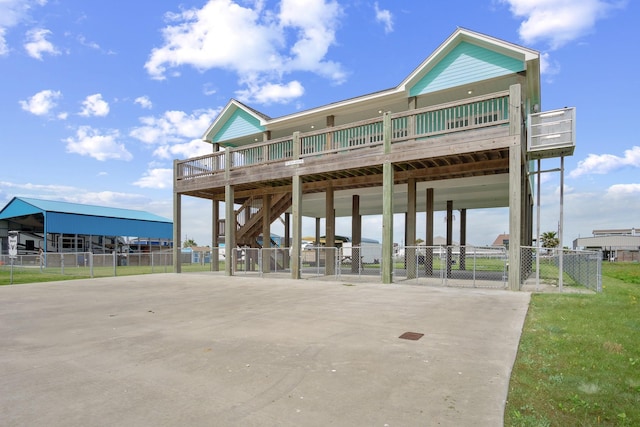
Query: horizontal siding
point(466, 63)
point(239, 124)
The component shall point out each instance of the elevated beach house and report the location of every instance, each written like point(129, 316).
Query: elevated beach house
point(451, 135)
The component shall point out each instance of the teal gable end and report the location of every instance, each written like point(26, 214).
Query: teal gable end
point(466, 63)
point(238, 125)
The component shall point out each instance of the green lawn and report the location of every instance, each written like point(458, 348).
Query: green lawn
point(578, 363)
point(33, 274)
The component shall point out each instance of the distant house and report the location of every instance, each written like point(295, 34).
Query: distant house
point(615, 244)
point(501, 240)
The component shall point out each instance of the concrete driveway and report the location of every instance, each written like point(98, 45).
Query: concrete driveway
point(202, 349)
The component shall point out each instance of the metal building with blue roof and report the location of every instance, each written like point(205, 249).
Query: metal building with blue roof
point(74, 227)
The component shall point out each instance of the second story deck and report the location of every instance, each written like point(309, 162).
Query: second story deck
point(460, 139)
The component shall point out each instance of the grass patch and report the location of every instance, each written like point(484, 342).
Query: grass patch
point(31, 274)
point(578, 363)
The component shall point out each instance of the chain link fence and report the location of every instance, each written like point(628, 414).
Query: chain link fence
point(90, 265)
point(542, 267)
point(363, 261)
point(318, 261)
point(461, 266)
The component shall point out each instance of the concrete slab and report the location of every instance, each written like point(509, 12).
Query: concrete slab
point(205, 350)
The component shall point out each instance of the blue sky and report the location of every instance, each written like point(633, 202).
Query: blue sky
point(99, 97)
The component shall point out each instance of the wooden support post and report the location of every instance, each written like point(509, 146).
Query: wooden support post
point(317, 236)
point(215, 237)
point(296, 213)
point(266, 233)
point(329, 135)
point(177, 223)
point(387, 205)
point(463, 239)
point(356, 233)
point(410, 225)
point(330, 233)
point(229, 230)
point(449, 236)
point(287, 239)
point(515, 187)
point(428, 257)
point(229, 217)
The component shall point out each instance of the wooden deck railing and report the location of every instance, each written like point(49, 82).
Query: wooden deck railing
point(424, 123)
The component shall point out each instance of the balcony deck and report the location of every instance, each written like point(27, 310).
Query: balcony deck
point(456, 140)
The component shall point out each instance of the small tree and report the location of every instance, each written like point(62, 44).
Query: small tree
point(189, 243)
point(549, 240)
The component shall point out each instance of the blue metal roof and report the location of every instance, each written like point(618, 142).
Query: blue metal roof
point(80, 209)
point(64, 217)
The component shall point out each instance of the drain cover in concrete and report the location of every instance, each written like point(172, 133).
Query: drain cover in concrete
point(411, 336)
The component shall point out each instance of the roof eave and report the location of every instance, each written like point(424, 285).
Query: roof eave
point(458, 36)
point(226, 113)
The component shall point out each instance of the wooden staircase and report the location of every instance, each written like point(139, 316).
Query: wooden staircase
point(249, 218)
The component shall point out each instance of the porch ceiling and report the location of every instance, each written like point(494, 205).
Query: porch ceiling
point(489, 191)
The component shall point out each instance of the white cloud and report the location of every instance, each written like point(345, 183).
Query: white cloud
point(100, 146)
point(156, 178)
point(623, 190)
point(4, 49)
point(80, 195)
point(193, 148)
point(271, 93)
point(548, 67)
point(108, 198)
point(208, 89)
point(195, 40)
point(94, 105)
point(605, 163)
point(174, 126)
point(42, 102)
point(144, 102)
point(385, 17)
point(37, 43)
point(316, 22)
point(255, 40)
point(84, 42)
point(12, 13)
point(558, 22)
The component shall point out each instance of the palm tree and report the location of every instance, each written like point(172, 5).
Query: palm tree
point(549, 239)
point(189, 243)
